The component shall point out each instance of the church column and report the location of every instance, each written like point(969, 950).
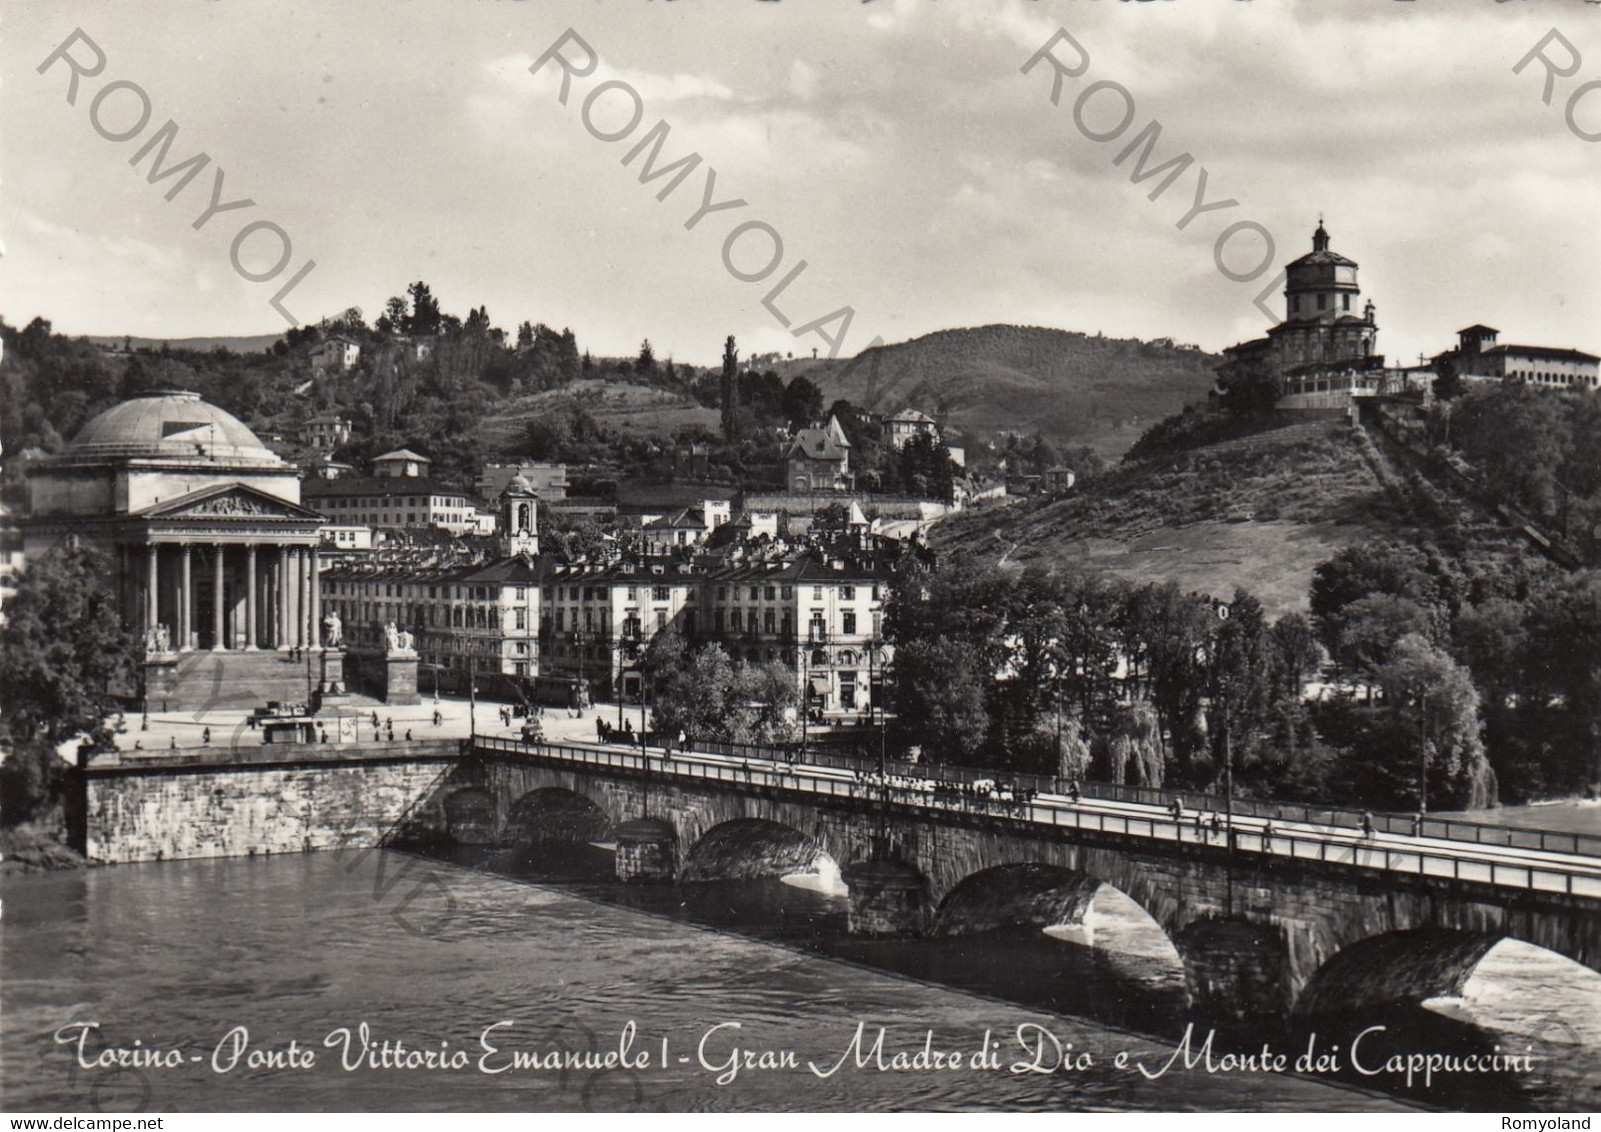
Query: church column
point(304, 560)
point(186, 599)
point(316, 598)
point(152, 583)
point(296, 607)
point(279, 602)
point(250, 597)
point(218, 628)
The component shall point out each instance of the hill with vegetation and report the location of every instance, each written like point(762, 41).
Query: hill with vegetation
point(1074, 388)
point(1211, 502)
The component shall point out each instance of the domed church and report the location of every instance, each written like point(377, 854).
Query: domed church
point(212, 550)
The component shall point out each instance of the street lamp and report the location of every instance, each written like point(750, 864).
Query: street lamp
point(1423, 755)
point(580, 640)
point(1222, 610)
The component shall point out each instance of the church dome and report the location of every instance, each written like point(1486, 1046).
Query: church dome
point(170, 424)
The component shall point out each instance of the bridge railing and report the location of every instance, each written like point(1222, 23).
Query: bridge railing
point(1345, 817)
point(1354, 850)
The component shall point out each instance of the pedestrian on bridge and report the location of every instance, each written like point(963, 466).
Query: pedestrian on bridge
point(1217, 827)
point(1267, 837)
point(1417, 824)
point(1367, 825)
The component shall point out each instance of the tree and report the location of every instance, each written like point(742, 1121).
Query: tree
point(1434, 701)
point(1371, 628)
point(1447, 381)
point(940, 698)
point(1251, 388)
point(425, 317)
point(646, 363)
point(64, 658)
point(803, 401)
point(730, 391)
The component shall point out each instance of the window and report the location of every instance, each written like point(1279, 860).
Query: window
point(754, 590)
point(768, 621)
point(847, 593)
point(848, 625)
point(789, 593)
point(1322, 302)
point(522, 619)
point(817, 593)
point(658, 593)
point(770, 593)
point(633, 593)
point(717, 621)
point(1347, 302)
point(661, 620)
point(722, 593)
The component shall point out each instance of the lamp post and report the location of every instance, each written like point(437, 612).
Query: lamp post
point(580, 641)
point(472, 695)
point(1423, 754)
point(1228, 779)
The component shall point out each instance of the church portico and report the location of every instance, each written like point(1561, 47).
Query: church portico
point(214, 553)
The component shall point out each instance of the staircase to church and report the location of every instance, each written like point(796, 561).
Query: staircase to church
point(230, 681)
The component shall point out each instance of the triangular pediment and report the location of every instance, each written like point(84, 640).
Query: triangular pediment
point(229, 501)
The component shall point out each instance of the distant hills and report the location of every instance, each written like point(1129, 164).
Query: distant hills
point(248, 344)
point(1074, 387)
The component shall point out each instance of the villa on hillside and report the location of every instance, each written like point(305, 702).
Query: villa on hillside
point(1477, 357)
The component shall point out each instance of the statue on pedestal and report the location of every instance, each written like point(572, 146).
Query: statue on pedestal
point(391, 637)
point(334, 632)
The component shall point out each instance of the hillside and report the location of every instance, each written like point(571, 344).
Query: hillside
point(625, 407)
point(1073, 387)
point(243, 344)
point(1259, 511)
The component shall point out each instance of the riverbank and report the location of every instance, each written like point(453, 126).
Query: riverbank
point(38, 847)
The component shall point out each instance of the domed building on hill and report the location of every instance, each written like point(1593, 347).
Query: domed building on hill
point(212, 548)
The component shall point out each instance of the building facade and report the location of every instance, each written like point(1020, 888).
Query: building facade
point(211, 548)
point(1479, 356)
point(1323, 352)
point(819, 459)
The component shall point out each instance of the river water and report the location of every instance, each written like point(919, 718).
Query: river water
point(175, 956)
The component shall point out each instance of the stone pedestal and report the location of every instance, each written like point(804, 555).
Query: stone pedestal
point(646, 850)
point(331, 689)
point(400, 679)
point(886, 898)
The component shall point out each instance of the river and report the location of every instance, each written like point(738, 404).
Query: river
point(172, 956)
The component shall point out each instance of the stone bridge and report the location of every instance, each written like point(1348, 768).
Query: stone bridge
point(1259, 934)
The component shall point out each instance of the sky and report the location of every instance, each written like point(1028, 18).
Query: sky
point(897, 147)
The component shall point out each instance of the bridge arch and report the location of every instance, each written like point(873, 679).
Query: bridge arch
point(752, 847)
point(1010, 895)
point(1410, 965)
point(555, 813)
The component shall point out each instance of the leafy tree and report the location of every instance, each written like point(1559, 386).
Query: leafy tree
point(940, 697)
point(1251, 388)
point(646, 363)
point(1434, 701)
point(64, 659)
point(1447, 381)
point(802, 402)
point(425, 317)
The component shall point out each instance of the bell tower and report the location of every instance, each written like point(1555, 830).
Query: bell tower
point(519, 518)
